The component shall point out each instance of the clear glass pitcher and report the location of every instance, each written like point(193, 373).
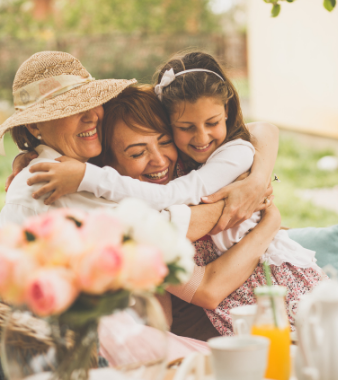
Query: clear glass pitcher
point(271, 321)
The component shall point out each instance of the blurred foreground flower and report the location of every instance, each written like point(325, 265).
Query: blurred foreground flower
point(55, 259)
point(74, 268)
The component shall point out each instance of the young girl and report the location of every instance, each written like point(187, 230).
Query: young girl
point(208, 129)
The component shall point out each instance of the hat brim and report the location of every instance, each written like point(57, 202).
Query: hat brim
point(72, 102)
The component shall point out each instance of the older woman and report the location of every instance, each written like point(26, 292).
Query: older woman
point(59, 112)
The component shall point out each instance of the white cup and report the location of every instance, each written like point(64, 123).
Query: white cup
point(242, 319)
point(239, 357)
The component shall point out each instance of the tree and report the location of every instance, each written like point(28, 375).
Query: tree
point(40, 19)
point(276, 8)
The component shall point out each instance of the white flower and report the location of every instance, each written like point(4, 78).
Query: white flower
point(147, 226)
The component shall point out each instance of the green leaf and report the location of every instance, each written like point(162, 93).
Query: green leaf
point(172, 277)
point(88, 307)
point(275, 10)
point(30, 236)
point(267, 273)
point(329, 5)
point(290, 1)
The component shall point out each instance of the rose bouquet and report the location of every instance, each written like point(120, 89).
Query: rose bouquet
point(75, 267)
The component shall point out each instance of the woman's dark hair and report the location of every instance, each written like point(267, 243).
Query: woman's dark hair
point(191, 86)
point(139, 108)
point(24, 139)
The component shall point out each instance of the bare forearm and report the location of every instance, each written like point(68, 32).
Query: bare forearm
point(265, 141)
point(203, 219)
point(234, 267)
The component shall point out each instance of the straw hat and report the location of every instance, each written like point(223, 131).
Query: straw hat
point(52, 85)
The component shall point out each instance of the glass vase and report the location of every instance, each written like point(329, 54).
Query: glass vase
point(43, 348)
point(134, 340)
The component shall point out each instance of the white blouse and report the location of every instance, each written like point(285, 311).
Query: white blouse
point(20, 204)
point(227, 163)
point(222, 167)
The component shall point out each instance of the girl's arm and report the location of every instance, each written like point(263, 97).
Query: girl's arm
point(228, 272)
point(223, 167)
point(246, 196)
point(202, 219)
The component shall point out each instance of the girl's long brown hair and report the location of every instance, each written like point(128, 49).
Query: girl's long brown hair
point(191, 86)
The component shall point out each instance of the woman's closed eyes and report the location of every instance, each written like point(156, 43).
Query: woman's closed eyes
point(163, 143)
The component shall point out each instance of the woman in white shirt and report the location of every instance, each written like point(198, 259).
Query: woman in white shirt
point(59, 112)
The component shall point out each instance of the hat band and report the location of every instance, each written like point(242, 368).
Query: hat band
point(47, 88)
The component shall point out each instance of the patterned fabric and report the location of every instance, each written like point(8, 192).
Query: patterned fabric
point(297, 280)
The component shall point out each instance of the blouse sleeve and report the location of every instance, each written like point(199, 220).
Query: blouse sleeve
point(223, 167)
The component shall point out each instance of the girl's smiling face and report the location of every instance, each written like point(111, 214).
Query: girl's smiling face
point(149, 157)
point(199, 128)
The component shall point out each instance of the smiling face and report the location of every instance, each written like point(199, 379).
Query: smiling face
point(149, 157)
point(199, 128)
point(73, 136)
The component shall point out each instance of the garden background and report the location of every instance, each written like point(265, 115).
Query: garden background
point(131, 38)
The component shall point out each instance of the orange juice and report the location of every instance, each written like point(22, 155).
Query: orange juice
point(279, 361)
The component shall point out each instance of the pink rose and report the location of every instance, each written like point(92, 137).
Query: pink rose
point(143, 267)
point(12, 236)
point(15, 267)
point(51, 291)
point(57, 238)
point(98, 271)
point(102, 228)
point(44, 226)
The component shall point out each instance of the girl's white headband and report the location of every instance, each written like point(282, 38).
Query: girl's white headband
point(169, 76)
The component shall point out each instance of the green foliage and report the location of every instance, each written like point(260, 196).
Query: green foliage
point(329, 5)
point(172, 277)
point(91, 307)
point(276, 8)
point(296, 166)
point(87, 17)
point(6, 166)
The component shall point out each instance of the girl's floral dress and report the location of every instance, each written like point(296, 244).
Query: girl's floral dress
point(297, 280)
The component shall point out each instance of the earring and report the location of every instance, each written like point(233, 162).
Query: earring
point(26, 145)
point(39, 137)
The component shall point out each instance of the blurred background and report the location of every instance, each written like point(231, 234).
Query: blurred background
point(285, 70)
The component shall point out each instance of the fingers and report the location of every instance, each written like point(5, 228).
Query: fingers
point(45, 190)
point(218, 228)
point(269, 191)
point(52, 198)
point(266, 204)
point(64, 159)
point(42, 191)
point(30, 156)
point(23, 160)
point(222, 224)
point(9, 181)
point(42, 167)
point(236, 222)
point(37, 178)
point(220, 194)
